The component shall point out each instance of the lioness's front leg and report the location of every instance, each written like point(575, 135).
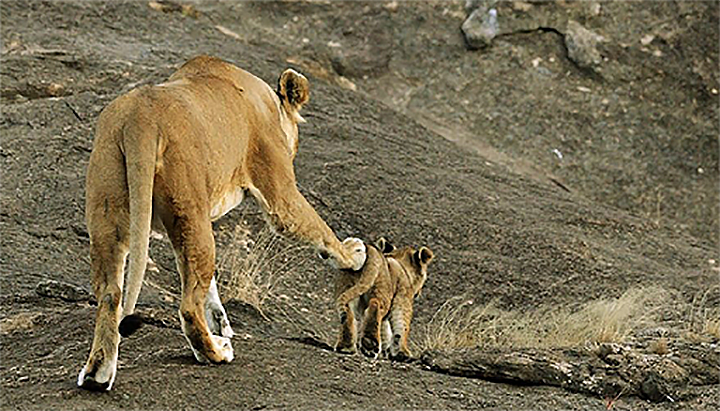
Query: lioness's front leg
point(291, 214)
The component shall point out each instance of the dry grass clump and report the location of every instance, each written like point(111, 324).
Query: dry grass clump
point(712, 326)
point(459, 323)
point(702, 315)
point(660, 346)
point(249, 270)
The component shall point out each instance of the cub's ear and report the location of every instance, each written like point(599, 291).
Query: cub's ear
point(424, 255)
point(384, 245)
point(293, 89)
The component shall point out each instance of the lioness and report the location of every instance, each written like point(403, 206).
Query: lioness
point(174, 157)
point(382, 293)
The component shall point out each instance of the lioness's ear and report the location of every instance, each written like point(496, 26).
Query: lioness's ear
point(293, 88)
point(384, 246)
point(424, 255)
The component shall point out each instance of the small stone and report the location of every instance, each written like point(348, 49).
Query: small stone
point(480, 28)
point(647, 39)
point(581, 45)
point(521, 6)
point(62, 290)
point(392, 6)
point(55, 90)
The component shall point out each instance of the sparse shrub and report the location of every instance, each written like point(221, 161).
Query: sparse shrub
point(460, 323)
point(660, 346)
point(249, 269)
point(702, 316)
point(712, 326)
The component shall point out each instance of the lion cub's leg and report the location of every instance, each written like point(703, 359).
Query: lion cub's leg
point(349, 324)
point(215, 314)
point(386, 335)
point(400, 317)
point(194, 248)
point(370, 344)
point(352, 298)
point(108, 251)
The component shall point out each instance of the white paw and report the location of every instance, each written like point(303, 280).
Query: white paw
point(358, 252)
point(224, 347)
point(99, 379)
point(215, 314)
point(227, 330)
point(217, 321)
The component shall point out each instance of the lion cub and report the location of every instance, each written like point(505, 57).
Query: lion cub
point(378, 301)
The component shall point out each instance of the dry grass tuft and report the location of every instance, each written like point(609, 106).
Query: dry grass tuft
point(712, 326)
point(249, 270)
point(702, 316)
point(459, 323)
point(660, 346)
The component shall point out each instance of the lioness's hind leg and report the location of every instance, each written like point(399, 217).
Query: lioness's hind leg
point(194, 248)
point(215, 314)
point(108, 251)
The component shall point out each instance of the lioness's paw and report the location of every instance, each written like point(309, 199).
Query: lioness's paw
point(215, 314)
point(223, 346)
point(98, 375)
point(357, 251)
point(217, 320)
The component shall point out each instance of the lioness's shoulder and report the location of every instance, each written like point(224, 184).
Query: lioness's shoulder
point(208, 66)
point(204, 65)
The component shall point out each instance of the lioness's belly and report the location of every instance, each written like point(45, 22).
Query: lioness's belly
point(226, 203)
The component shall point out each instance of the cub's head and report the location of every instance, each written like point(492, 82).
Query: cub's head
point(414, 261)
point(293, 91)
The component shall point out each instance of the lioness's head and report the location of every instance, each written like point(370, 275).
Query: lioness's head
point(293, 91)
point(414, 261)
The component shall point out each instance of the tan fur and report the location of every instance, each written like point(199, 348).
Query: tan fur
point(175, 156)
point(378, 301)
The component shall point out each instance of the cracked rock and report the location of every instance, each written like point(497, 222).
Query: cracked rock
point(62, 290)
point(480, 28)
point(581, 45)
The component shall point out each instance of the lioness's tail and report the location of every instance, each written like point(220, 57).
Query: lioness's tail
point(140, 144)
